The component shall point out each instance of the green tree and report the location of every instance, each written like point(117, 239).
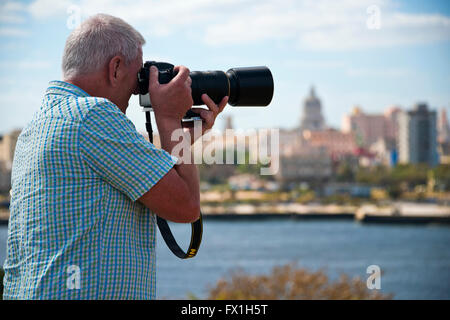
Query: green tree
point(378, 175)
point(441, 174)
point(410, 174)
point(344, 173)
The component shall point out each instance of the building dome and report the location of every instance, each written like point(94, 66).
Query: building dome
point(357, 111)
point(312, 118)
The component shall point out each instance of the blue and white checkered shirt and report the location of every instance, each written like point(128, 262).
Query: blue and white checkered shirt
point(76, 230)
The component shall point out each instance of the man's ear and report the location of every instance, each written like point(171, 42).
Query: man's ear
point(115, 70)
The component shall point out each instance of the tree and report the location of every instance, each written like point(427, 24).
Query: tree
point(291, 283)
point(441, 174)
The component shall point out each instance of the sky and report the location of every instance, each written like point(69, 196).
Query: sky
point(373, 54)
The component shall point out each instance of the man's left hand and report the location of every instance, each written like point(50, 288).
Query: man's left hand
point(208, 116)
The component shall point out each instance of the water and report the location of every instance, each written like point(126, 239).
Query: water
point(414, 259)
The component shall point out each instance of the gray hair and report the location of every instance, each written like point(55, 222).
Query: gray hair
point(94, 42)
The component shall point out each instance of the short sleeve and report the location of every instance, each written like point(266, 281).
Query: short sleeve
point(112, 147)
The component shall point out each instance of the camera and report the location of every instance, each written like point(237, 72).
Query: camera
point(248, 86)
point(251, 86)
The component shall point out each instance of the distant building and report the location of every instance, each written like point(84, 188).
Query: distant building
point(338, 144)
point(417, 141)
point(7, 148)
point(443, 127)
point(308, 164)
point(290, 141)
point(385, 151)
point(228, 123)
point(391, 115)
point(369, 128)
point(444, 152)
point(312, 118)
point(5, 178)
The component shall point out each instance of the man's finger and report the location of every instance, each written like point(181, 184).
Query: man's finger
point(223, 103)
point(210, 103)
point(182, 75)
point(206, 115)
point(197, 110)
point(153, 78)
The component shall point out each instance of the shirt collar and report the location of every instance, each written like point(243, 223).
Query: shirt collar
point(65, 88)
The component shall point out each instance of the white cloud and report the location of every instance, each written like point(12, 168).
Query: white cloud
point(12, 18)
point(13, 32)
point(11, 12)
point(324, 25)
point(26, 64)
point(43, 9)
point(317, 25)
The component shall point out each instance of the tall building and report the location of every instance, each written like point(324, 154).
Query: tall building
point(312, 118)
point(391, 122)
point(369, 128)
point(417, 141)
point(443, 127)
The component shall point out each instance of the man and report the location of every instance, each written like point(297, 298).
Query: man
point(86, 185)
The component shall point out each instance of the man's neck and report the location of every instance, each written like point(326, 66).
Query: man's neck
point(95, 86)
point(92, 86)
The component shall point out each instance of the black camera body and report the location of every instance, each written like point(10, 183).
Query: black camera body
point(249, 86)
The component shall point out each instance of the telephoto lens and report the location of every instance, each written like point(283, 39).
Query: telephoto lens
point(251, 86)
point(248, 86)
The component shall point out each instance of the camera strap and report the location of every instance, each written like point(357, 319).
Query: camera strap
point(197, 226)
point(196, 238)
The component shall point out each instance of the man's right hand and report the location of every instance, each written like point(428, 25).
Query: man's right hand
point(171, 101)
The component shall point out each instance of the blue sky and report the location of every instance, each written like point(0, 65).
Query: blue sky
point(334, 45)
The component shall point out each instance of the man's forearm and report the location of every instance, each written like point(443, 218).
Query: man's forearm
point(187, 171)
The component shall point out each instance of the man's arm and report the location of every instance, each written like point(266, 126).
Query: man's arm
point(176, 196)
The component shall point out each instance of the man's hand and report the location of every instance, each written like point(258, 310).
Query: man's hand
point(171, 101)
point(208, 116)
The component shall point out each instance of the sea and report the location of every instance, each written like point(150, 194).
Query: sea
point(414, 259)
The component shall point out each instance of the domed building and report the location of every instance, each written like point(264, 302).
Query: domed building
point(312, 118)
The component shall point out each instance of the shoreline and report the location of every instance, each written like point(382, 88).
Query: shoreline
point(398, 213)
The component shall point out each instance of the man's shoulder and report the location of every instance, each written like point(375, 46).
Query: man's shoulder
point(67, 101)
point(93, 105)
point(99, 110)
point(101, 115)
point(92, 110)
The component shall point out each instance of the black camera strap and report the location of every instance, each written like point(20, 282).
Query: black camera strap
point(196, 238)
point(197, 226)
